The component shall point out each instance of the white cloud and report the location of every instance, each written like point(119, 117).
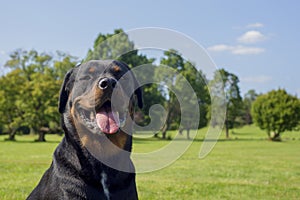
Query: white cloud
point(2, 52)
point(237, 50)
point(256, 79)
point(219, 47)
point(242, 50)
point(255, 25)
point(251, 37)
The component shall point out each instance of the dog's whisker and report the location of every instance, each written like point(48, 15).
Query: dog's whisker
point(89, 122)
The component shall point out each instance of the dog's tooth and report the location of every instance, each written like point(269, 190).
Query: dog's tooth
point(122, 124)
point(122, 121)
point(117, 115)
point(92, 116)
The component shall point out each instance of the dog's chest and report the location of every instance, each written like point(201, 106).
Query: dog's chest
point(104, 184)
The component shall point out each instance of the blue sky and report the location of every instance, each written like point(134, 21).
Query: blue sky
point(256, 40)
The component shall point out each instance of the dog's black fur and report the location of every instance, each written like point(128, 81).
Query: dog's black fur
point(75, 173)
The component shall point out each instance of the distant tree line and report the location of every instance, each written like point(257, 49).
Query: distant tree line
point(29, 91)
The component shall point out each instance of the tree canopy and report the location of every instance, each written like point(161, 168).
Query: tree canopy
point(30, 91)
point(185, 72)
point(233, 98)
point(248, 100)
point(276, 112)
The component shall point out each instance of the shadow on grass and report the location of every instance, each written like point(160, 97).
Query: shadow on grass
point(146, 140)
point(232, 140)
point(26, 139)
point(29, 141)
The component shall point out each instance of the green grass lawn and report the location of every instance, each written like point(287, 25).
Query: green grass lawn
point(247, 166)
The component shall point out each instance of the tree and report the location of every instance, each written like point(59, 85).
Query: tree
point(276, 112)
point(151, 96)
point(31, 90)
point(116, 46)
point(12, 116)
point(232, 98)
point(175, 61)
point(198, 81)
point(248, 100)
point(184, 72)
point(39, 102)
point(109, 47)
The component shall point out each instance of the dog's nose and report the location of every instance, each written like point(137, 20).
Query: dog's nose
point(107, 83)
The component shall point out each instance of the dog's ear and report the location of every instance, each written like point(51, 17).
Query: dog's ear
point(139, 95)
point(138, 92)
point(65, 91)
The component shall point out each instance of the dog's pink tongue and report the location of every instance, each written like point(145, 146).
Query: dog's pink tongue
point(106, 121)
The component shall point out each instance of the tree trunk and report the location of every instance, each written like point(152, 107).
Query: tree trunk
point(164, 131)
point(41, 137)
point(188, 133)
point(12, 135)
point(226, 129)
point(166, 126)
point(227, 132)
point(269, 134)
point(180, 131)
point(275, 137)
point(42, 132)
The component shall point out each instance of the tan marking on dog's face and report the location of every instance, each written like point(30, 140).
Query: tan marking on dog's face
point(103, 146)
point(72, 111)
point(118, 139)
point(116, 68)
point(84, 140)
point(92, 69)
point(97, 98)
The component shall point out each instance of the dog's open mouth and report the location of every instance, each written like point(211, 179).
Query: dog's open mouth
point(109, 120)
point(105, 118)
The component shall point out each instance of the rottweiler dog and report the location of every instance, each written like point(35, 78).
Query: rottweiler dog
point(97, 102)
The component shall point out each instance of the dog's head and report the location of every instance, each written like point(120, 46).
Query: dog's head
point(97, 102)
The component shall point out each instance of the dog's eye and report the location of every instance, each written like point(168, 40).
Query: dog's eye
point(84, 78)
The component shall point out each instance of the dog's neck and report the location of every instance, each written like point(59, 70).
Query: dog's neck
point(84, 165)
